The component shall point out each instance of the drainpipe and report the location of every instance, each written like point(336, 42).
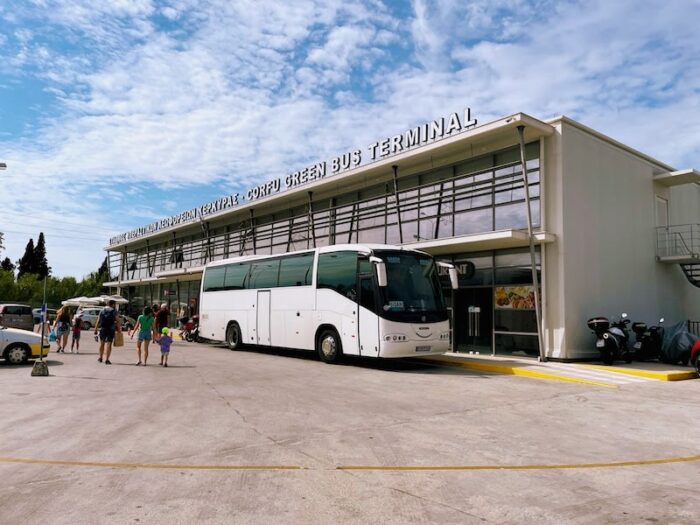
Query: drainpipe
point(531, 238)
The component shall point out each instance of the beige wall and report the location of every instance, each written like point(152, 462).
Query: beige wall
point(604, 220)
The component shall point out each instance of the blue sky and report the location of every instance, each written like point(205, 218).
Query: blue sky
point(119, 112)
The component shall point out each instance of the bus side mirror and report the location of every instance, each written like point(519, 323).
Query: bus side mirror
point(452, 272)
point(381, 271)
point(454, 278)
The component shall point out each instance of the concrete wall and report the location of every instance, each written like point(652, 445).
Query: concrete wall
point(607, 241)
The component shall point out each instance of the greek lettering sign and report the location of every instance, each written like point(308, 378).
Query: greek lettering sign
point(412, 138)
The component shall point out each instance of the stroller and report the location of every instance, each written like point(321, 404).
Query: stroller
point(190, 330)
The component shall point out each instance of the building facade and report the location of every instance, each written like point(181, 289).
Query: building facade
point(615, 229)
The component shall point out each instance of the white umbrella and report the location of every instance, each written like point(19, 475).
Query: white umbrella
point(81, 301)
point(116, 298)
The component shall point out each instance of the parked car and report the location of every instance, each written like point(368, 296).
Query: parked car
point(16, 316)
point(50, 315)
point(90, 315)
point(18, 346)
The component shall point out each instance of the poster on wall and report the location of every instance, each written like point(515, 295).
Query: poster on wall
point(515, 297)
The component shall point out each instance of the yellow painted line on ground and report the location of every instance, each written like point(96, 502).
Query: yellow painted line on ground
point(167, 466)
point(667, 375)
point(571, 466)
point(513, 370)
point(398, 468)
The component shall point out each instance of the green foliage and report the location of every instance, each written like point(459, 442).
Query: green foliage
point(29, 288)
point(7, 265)
point(26, 262)
point(40, 265)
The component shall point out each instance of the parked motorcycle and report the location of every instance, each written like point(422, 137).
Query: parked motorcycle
point(648, 340)
point(611, 338)
point(695, 356)
point(191, 330)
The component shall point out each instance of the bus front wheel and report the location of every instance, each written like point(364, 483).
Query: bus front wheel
point(233, 336)
point(329, 347)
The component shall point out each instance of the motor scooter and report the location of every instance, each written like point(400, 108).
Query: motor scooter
point(648, 340)
point(611, 338)
point(191, 331)
point(695, 356)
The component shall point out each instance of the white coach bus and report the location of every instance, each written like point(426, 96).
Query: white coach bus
point(362, 300)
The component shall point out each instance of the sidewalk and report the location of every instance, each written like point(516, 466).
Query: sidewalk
point(584, 373)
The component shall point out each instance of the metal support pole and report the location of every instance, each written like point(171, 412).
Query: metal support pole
point(531, 238)
point(311, 221)
point(396, 198)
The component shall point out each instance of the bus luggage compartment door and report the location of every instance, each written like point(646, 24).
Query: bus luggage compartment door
point(263, 318)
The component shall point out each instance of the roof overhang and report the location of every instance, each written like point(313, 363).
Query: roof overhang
point(469, 143)
point(481, 241)
point(676, 178)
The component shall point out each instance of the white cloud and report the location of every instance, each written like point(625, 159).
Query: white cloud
point(233, 93)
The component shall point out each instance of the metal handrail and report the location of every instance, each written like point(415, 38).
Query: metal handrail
point(675, 240)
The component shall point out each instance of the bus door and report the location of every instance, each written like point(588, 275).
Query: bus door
point(263, 318)
point(368, 321)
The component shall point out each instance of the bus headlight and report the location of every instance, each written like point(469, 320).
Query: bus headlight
point(394, 337)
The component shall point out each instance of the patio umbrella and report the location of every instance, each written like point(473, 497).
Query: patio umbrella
point(81, 301)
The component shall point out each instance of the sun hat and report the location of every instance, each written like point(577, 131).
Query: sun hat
point(165, 330)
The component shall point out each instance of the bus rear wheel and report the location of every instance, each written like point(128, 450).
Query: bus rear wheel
point(329, 347)
point(234, 340)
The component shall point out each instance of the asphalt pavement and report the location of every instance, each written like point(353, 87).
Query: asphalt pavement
point(279, 437)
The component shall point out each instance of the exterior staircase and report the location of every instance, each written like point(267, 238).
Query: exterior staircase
point(680, 245)
point(692, 272)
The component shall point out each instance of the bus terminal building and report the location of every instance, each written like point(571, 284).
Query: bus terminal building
point(615, 230)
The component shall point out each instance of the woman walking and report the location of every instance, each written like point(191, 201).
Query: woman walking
point(62, 328)
point(144, 325)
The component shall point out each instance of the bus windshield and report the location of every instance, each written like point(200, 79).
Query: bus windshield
point(413, 290)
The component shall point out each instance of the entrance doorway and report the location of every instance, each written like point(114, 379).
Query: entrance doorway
point(473, 320)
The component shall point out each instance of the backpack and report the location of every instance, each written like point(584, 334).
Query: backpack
point(107, 318)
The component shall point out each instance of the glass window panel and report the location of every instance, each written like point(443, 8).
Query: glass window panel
point(296, 270)
point(263, 274)
point(410, 231)
point(214, 278)
point(475, 221)
point(515, 215)
point(338, 271)
point(235, 276)
point(523, 345)
point(374, 235)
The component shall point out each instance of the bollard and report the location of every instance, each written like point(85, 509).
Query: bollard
point(40, 368)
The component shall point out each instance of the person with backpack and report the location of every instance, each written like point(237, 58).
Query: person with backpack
point(107, 323)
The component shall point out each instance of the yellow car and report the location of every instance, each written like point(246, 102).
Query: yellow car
point(18, 346)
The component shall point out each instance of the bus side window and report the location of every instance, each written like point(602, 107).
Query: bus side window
point(235, 276)
point(214, 278)
point(338, 271)
point(296, 270)
point(264, 274)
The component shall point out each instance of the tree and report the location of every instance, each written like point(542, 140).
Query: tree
point(7, 265)
point(26, 263)
point(41, 265)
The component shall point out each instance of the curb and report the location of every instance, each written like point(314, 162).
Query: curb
point(669, 375)
point(522, 371)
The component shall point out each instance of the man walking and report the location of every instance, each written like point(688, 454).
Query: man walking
point(108, 324)
point(162, 319)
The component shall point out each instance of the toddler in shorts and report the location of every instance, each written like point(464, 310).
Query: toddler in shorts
point(165, 341)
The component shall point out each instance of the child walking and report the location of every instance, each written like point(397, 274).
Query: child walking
point(165, 341)
point(75, 332)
